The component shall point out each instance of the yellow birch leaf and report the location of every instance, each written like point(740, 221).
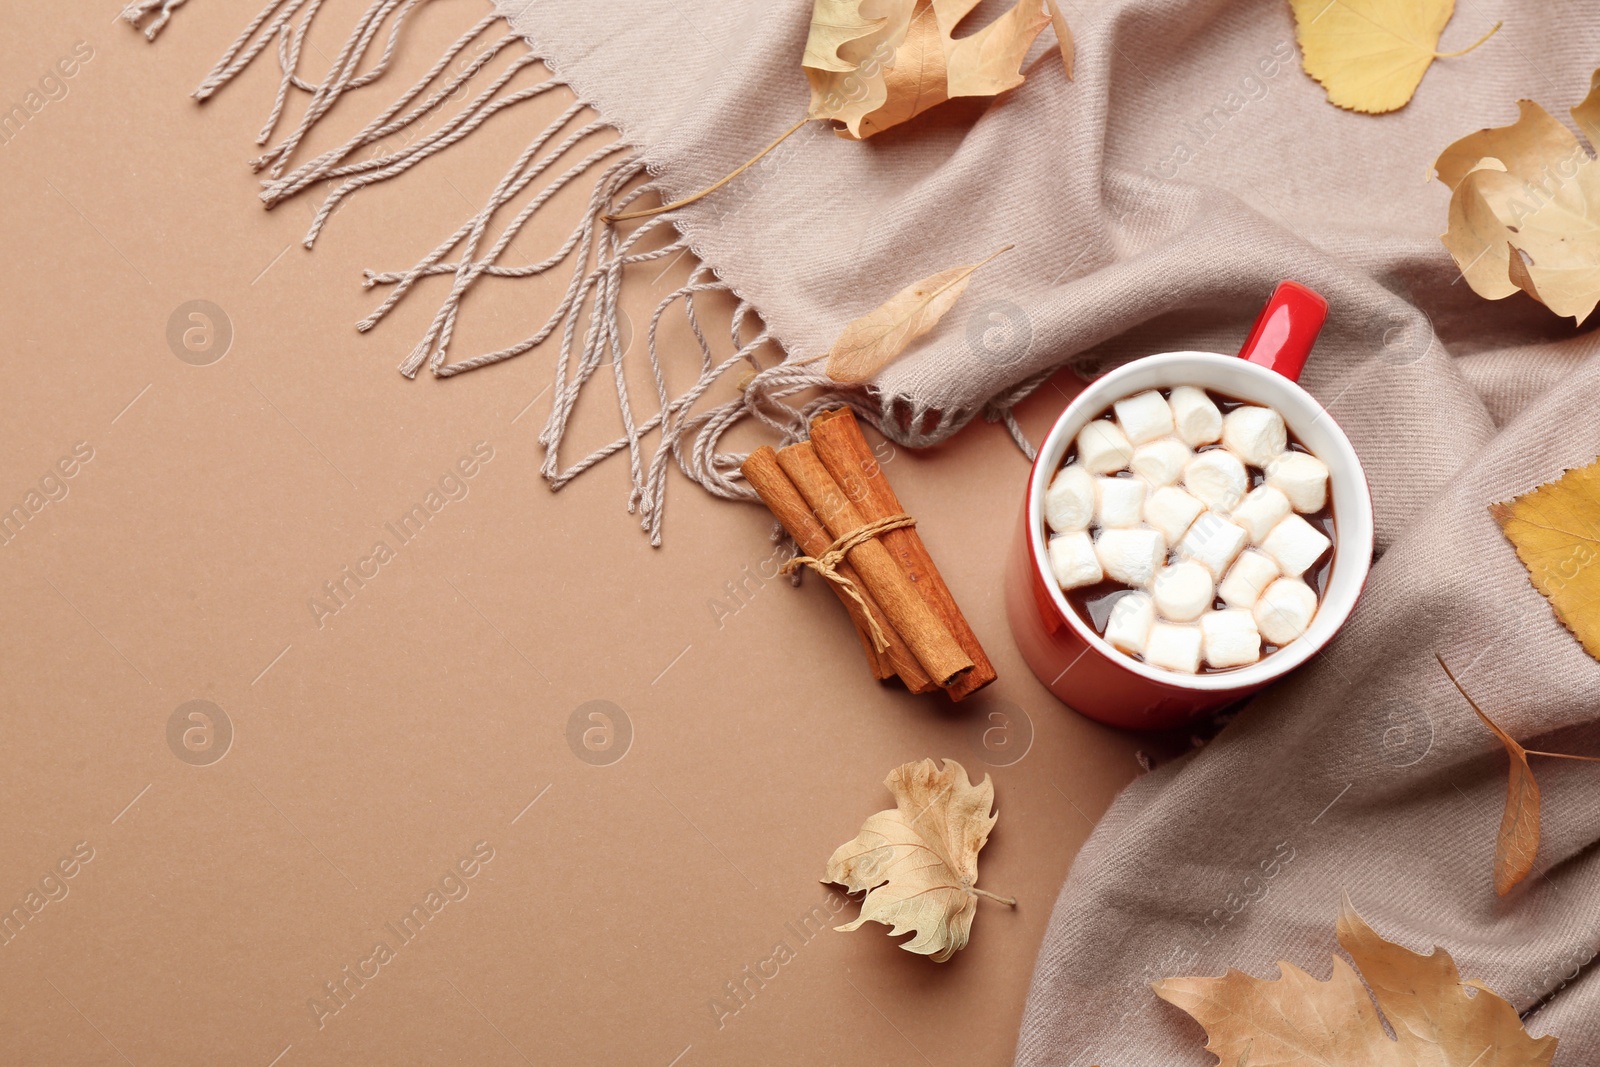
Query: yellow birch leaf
point(868, 343)
point(1556, 532)
point(1517, 845)
point(1436, 1019)
point(918, 861)
point(1370, 55)
point(1525, 208)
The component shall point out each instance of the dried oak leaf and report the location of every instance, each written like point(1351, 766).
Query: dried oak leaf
point(1523, 204)
point(1556, 532)
point(1371, 54)
point(867, 344)
point(918, 861)
point(872, 73)
point(1437, 1021)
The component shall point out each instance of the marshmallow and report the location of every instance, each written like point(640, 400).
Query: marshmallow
point(1217, 478)
point(1144, 417)
point(1212, 541)
point(1129, 625)
point(1284, 610)
point(1229, 638)
point(1131, 556)
point(1069, 502)
point(1118, 502)
point(1161, 462)
point(1301, 477)
point(1254, 434)
point(1176, 648)
point(1252, 572)
point(1295, 544)
point(1103, 447)
point(1171, 510)
point(1197, 419)
point(1073, 561)
point(1183, 591)
point(1263, 509)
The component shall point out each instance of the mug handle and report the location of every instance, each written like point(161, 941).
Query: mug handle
point(1287, 327)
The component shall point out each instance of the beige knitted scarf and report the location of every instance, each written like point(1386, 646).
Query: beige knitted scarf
point(1153, 202)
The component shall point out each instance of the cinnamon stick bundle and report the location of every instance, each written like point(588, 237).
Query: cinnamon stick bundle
point(936, 649)
point(769, 481)
point(836, 436)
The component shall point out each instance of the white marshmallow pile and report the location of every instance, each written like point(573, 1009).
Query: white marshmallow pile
point(1147, 504)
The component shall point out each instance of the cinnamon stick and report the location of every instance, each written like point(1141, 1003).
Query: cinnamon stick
point(761, 470)
point(927, 637)
point(839, 444)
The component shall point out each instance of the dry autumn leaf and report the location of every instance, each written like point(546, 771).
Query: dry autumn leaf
point(1556, 532)
point(914, 61)
point(1517, 844)
point(1371, 54)
point(918, 861)
point(1522, 207)
point(1437, 1020)
point(1063, 35)
point(868, 343)
point(869, 72)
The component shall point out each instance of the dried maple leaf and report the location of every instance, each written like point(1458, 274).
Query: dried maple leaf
point(1437, 1020)
point(1371, 54)
point(918, 861)
point(1523, 204)
point(867, 344)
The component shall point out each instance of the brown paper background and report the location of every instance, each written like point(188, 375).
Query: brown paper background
point(371, 754)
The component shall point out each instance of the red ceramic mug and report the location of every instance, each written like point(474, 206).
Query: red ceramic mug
point(1075, 662)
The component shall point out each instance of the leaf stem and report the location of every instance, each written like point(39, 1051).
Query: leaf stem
point(1449, 55)
point(1485, 718)
point(746, 165)
point(1009, 901)
point(1460, 690)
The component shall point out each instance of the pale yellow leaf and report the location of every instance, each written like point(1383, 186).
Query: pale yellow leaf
point(868, 343)
point(1560, 245)
point(918, 861)
point(1475, 236)
point(1296, 1019)
point(1525, 208)
point(1370, 55)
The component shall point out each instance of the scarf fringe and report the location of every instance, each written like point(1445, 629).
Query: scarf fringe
point(596, 255)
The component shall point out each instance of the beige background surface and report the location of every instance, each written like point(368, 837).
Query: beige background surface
point(372, 753)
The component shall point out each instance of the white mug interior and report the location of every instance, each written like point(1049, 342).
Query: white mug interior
point(1228, 376)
